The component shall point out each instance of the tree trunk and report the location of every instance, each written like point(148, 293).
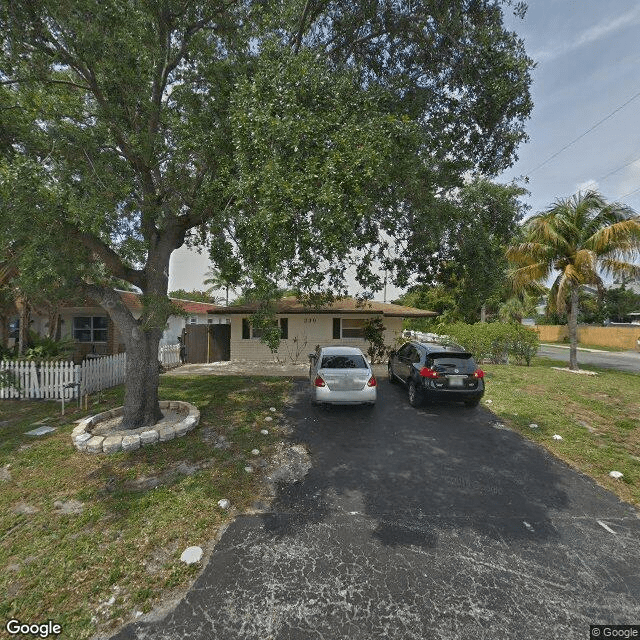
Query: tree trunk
point(141, 408)
point(573, 329)
point(25, 321)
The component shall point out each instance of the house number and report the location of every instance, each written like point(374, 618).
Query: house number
point(309, 320)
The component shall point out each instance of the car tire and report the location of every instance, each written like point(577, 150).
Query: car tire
point(415, 397)
point(392, 378)
point(472, 403)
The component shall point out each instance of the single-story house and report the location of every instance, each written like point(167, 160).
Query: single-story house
point(303, 327)
point(89, 326)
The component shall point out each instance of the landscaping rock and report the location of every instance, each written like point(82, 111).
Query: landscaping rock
point(616, 474)
point(268, 419)
point(191, 555)
point(557, 437)
point(255, 452)
point(131, 443)
point(166, 433)
point(533, 425)
point(112, 444)
point(5, 474)
point(94, 444)
point(248, 469)
point(70, 507)
point(40, 431)
point(264, 432)
point(224, 503)
point(149, 437)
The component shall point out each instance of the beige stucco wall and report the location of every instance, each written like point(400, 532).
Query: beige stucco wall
point(624, 338)
point(310, 330)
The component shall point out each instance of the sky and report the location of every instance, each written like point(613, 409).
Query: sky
point(584, 131)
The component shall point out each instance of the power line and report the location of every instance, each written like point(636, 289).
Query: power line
point(582, 135)
point(626, 195)
point(616, 170)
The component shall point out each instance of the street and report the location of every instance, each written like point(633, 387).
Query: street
point(628, 361)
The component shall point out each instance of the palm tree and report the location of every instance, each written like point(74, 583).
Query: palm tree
point(216, 280)
point(580, 237)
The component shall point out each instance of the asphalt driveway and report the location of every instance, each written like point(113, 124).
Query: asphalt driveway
point(417, 524)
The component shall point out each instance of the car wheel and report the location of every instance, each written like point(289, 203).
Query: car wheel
point(472, 403)
point(392, 378)
point(415, 397)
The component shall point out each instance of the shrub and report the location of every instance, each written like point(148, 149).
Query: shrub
point(496, 342)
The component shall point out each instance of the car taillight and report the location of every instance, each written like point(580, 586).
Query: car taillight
point(425, 372)
point(372, 382)
point(478, 373)
point(319, 382)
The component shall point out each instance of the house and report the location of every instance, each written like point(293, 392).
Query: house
point(303, 327)
point(89, 326)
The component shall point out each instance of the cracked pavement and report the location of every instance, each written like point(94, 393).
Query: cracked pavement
point(416, 524)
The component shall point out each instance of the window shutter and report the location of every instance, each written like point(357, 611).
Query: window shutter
point(246, 329)
point(284, 328)
point(336, 328)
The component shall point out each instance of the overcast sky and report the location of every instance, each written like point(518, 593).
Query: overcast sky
point(585, 127)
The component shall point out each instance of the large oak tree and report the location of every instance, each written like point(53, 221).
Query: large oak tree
point(291, 137)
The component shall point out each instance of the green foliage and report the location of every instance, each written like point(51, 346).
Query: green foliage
point(619, 302)
point(196, 296)
point(495, 341)
point(458, 249)
point(43, 348)
point(374, 334)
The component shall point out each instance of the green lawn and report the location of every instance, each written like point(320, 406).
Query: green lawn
point(126, 543)
point(598, 417)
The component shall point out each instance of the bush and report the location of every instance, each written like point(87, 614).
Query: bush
point(496, 342)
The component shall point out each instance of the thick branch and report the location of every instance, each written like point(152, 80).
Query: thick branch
point(110, 258)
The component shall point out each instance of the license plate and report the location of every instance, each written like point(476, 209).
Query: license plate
point(456, 381)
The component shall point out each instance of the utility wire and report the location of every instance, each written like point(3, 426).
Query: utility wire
point(616, 170)
point(582, 135)
point(626, 195)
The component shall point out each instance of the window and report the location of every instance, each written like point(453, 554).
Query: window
point(193, 320)
point(343, 362)
point(348, 328)
point(90, 328)
point(250, 332)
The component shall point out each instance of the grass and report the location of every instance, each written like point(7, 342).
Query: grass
point(598, 417)
point(126, 544)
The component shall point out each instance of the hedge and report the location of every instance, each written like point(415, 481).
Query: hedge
point(495, 342)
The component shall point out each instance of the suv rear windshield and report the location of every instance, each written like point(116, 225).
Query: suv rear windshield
point(447, 362)
point(343, 362)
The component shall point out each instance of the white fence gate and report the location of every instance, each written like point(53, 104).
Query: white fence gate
point(169, 355)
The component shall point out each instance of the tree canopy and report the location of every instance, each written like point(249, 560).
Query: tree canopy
point(291, 137)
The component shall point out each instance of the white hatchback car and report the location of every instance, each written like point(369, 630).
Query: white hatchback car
point(341, 375)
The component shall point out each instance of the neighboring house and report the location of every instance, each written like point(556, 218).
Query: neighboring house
point(92, 330)
point(303, 328)
point(635, 317)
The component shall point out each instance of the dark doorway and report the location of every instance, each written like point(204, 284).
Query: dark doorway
point(207, 343)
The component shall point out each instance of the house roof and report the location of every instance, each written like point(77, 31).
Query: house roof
point(133, 302)
point(292, 305)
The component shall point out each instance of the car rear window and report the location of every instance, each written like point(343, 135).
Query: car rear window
point(444, 362)
point(343, 362)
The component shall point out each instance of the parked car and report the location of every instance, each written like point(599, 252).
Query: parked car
point(341, 375)
point(437, 372)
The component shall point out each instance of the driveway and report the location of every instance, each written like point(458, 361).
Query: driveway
point(628, 361)
point(417, 524)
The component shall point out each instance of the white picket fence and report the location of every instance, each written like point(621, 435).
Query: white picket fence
point(169, 355)
point(58, 380)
